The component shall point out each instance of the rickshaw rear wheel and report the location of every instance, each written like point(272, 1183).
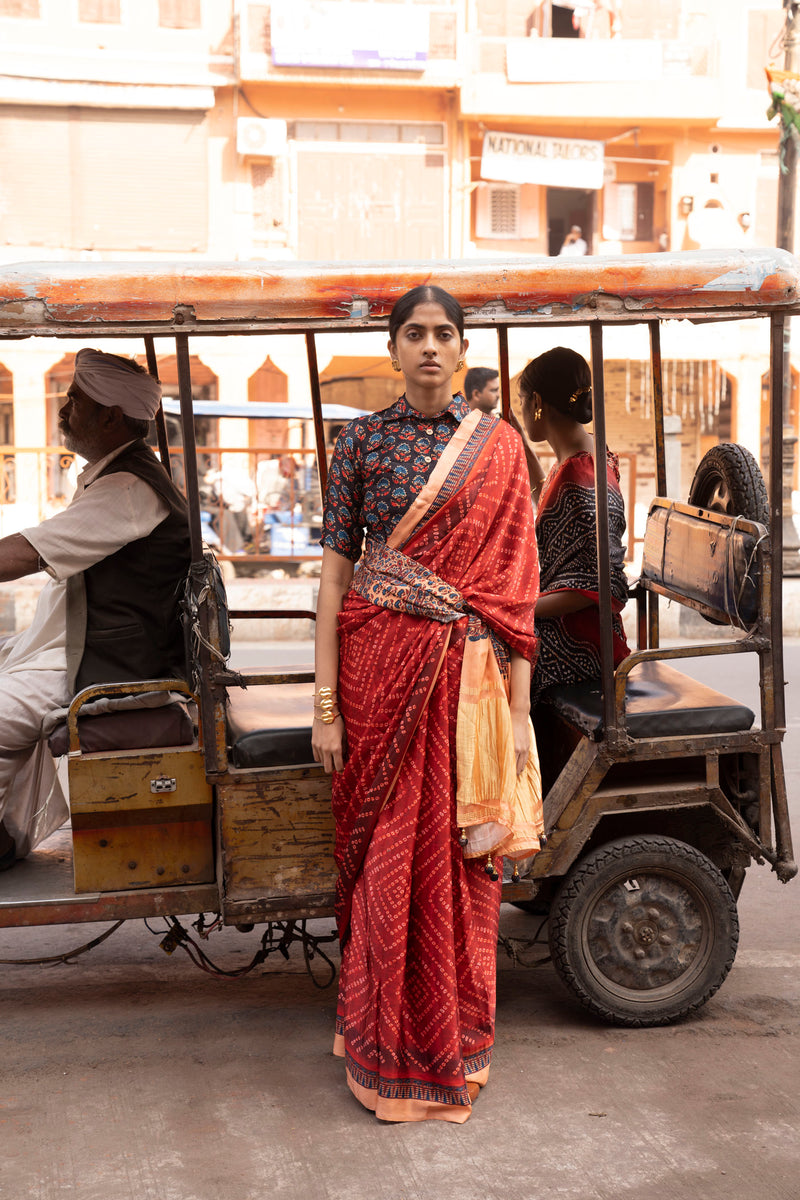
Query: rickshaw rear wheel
point(644, 930)
point(728, 480)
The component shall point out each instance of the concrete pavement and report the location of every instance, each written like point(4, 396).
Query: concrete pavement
point(130, 1075)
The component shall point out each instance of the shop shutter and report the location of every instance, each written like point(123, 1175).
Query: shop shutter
point(83, 179)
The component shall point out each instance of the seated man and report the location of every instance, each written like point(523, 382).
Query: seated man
point(117, 556)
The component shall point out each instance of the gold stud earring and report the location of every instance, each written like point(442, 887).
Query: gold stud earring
point(395, 365)
point(537, 413)
point(460, 365)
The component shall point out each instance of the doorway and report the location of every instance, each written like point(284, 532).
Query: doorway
point(567, 207)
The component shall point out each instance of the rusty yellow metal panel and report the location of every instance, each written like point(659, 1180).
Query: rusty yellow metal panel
point(276, 835)
point(140, 820)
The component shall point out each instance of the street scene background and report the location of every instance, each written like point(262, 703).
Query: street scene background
point(196, 131)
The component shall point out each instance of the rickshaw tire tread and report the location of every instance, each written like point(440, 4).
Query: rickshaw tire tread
point(742, 474)
point(571, 891)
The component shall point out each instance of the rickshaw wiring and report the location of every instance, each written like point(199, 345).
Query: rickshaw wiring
point(178, 936)
point(61, 958)
point(516, 948)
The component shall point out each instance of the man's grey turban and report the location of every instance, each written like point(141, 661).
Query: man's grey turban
point(111, 380)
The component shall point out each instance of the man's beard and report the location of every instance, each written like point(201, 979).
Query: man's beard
point(68, 440)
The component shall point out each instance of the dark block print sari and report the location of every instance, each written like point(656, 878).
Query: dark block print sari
point(566, 533)
point(418, 921)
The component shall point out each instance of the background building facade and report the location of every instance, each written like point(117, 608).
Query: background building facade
point(348, 130)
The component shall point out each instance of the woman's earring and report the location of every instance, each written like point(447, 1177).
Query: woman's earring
point(395, 365)
point(537, 413)
point(460, 365)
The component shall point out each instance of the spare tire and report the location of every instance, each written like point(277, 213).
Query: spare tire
point(728, 480)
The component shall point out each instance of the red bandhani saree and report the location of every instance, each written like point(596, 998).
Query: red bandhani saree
point(417, 919)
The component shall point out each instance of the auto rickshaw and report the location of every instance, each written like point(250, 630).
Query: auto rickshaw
point(659, 792)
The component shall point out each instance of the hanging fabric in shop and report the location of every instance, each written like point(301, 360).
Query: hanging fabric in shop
point(784, 87)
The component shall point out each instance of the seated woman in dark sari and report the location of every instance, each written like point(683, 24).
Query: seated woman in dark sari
point(556, 394)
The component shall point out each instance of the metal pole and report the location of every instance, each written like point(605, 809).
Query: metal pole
point(505, 378)
point(189, 447)
point(787, 203)
point(776, 702)
point(658, 408)
point(316, 408)
point(161, 424)
point(603, 550)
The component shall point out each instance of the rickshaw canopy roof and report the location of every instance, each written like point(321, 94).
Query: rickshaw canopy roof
point(123, 299)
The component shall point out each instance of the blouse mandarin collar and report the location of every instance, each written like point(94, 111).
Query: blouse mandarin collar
point(457, 408)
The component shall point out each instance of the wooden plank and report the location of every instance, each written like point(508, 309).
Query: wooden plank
point(276, 832)
point(128, 835)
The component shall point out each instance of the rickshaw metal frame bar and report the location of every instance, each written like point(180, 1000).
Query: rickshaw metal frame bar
point(610, 721)
point(785, 867)
point(505, 378)
point(161, 423)
point(657, 376)
point(111, 906)
point(778, 326)
point(316, 408)
point(765, 797)
point(189, 445)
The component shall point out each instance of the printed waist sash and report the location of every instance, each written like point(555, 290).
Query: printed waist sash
point(500, 811)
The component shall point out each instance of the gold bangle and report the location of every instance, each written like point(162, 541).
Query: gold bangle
point(327, 718)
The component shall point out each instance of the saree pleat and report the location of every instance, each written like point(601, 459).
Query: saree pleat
point(418, 922)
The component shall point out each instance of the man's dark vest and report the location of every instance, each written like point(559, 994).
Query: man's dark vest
point(132, 624)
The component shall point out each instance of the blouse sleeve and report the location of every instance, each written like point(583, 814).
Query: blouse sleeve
point(343, 522)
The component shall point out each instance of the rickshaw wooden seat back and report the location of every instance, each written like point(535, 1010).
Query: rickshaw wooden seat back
point(713, 563)
point(709, 560)
point(140, 802)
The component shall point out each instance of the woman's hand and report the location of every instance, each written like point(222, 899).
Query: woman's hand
point(522, 738)
point(328, 744)
point(520, 704)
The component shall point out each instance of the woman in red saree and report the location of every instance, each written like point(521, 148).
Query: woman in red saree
point(422, 712)
point(556, 395)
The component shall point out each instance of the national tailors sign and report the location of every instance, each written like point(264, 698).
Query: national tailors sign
point(552, 162)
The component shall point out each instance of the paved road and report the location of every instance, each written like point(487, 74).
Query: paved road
point(131, 1075)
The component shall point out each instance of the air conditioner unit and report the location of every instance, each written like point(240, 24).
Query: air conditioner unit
point(497, 212)
point(259, 137)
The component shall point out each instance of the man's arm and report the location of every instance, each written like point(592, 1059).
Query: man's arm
point(17, 558)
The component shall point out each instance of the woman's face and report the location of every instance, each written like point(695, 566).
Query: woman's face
point(428, 346)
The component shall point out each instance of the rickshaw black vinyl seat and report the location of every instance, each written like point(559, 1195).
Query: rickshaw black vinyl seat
point(270, 726)
point(660, 702)
point(128, 729)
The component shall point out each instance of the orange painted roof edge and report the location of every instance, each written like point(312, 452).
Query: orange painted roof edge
point(70, 297)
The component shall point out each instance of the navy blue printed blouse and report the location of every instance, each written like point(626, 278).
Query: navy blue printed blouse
point(380, 464)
